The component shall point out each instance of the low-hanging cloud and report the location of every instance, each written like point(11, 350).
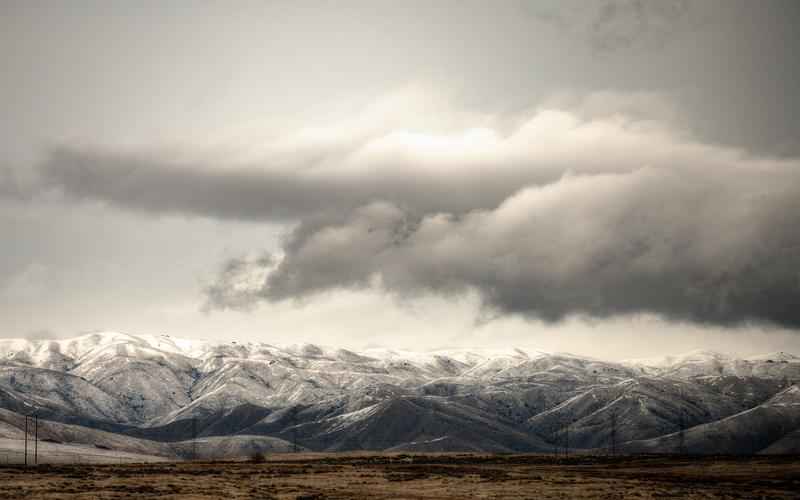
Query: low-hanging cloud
point(563, 214)
point(458, 167)
point(651, 240)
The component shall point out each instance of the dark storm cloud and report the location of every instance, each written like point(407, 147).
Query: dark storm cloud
point(659, 224)
point(569, 213)
point(703, 249)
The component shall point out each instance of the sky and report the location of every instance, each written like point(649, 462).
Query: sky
point(614, 178)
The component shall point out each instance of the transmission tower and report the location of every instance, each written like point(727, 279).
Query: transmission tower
point(36, 439)
point(614, 432)
point(194, 438)
point(294, 429)
point(682, 433)
point(26, 439)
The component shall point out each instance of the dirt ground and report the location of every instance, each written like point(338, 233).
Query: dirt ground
point(318, 476)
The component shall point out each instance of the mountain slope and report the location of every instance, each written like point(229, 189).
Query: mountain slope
point(752, 431)
point(398, 422)
point(153, 393)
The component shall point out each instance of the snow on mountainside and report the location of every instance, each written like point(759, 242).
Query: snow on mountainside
point(766, 428)
point(701, 362)
point(150, 386)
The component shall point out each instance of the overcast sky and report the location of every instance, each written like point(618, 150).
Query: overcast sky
point(616, 178)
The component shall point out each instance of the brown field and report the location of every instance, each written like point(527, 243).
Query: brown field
point(318, 476)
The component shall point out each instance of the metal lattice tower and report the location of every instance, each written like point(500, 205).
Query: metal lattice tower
point(194, 438)
point(613, 432)
point(294, 429)
point(682, 433)
point(36, 439)
point(26, 439)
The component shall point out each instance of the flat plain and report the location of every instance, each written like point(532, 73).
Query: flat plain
point(430, 476)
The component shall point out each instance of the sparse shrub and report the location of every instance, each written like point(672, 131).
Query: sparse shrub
point(258, 458)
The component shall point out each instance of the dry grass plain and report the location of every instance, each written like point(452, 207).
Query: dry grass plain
point(434, 476)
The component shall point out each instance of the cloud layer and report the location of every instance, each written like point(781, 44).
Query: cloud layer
point(562, 213)
point(343, 166)
point(647, 241)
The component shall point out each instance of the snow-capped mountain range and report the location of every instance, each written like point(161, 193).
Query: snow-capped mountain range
point(141, 393)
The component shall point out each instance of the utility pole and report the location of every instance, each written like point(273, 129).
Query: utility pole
point(194, 438)
point(36, 439)
point(613, 432)
point(26, 440)
point(294, 429)
point(681, 433)
point(682, 425)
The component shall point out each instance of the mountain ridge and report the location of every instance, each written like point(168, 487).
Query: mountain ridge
point(327, 398)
